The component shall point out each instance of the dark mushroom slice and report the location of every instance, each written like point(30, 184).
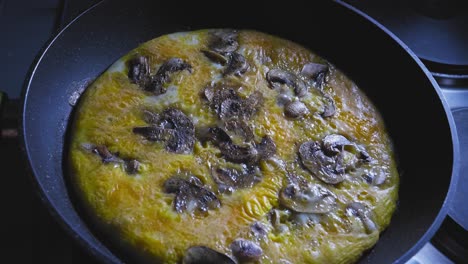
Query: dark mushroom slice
point(295, 109)
point(131, 166)
point(245, 250)
point(215, 57)
point(105, 154)
point(163, 75)
point(190, 195)
point(276, 77)
point(138, 70)
point(313, 70)
point(266, 148)
point(335, 144)
point(223, 41)
point(330, 160)
point(150, 117)
point(316, 72)
point(246, 153)
point(205, 255)
point(152, 133)
point(240, 108)
point(224, 99)
point(230, 179)
point(311, 198)
point(253, 103)
point(318, 163)
point(237, 65)
point(173, 127)
point(259, 230)
point(364, 213)
point(329, 109)
point(238, 130)
point(375, 176)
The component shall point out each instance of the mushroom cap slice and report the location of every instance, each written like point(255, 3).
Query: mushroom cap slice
point(237, 64)
point(276, 77)
point(215, 56)
point(311, 198)
point(171, 126)
point(162, 76)
point(364, 213)
point(138, 69)
point(295, 109)
point(191, 195)
point(229, 179)
point(205, 255)
point(313, 70)
point(319, 164)
point(223, 41)
point(245, 250)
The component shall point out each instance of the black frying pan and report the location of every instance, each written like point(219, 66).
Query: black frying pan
point(409, 99)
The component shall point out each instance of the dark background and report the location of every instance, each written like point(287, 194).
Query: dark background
point(28, 234)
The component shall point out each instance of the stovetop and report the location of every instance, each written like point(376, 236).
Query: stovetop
point(29, 233)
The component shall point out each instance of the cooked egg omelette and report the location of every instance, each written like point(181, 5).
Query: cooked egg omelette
point(225, 146)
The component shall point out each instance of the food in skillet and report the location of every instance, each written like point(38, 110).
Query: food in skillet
point(223, 146)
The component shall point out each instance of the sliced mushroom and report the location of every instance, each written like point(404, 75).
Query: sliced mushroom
point(375, 176)
point(131, 166)
point(138, 70)
point(295, 109)
point(246, 153)
point(205, 255)
point(364, 214)
point(319, 164)
point(249, 153)
point(245, 250)
point(266, 148)
point(311, 198)
point(215, 57)
point(150, 117)
point(155, 133)
point(329, 109)
point(237, 65)
point(163, 75)
point(332, 158)
point(283, 99)
point(316, 72)
point(224, 99)
point(223, 41)
point(313, 70)
point(276, 77)
point(190, 195)
point(238, 130)
point(230, 179)
point(105, 154)
point(173, 127)
point(335, 144)
point(259, 230)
